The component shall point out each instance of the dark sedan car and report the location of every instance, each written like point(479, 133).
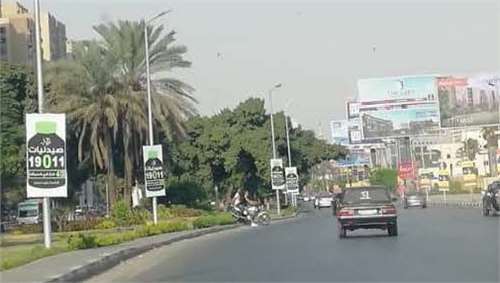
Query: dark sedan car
point(366, 208)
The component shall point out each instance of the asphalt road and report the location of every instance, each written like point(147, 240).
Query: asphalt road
point(434, 244)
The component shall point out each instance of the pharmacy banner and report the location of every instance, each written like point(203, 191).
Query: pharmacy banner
point(154, 176)
point(292, 180)
point(277, 174)
point(46, 155)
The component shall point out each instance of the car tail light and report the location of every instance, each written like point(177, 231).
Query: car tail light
point(389, 210)
point(346, 212)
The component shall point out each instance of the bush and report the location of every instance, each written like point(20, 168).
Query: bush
point(106, 224)
point(183, 211)
point(213, 220)
point(164, 212)
point(27, 229)
point(81, 225)
point(121, 212)
point(138, 216)
point(82, 241)
point(186, 191)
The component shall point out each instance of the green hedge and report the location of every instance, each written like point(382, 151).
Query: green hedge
point(213, 220)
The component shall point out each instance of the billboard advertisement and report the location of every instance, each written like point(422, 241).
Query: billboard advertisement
point(340, 131)
point(292, 180)
point(406, 171)
point(397, 90)
point(46, 155)
point(154, 175)
point(469, 101)
point(352, 109)
point(401, 122)
point(277, 174)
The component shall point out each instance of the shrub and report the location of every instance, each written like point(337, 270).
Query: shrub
point(106, 224)
point(81, 225)
point(183, 211)
point(27, 229)
point(82, 241)
point(121, 212)
point(213, 220)
point(138, 216)
point(164, 212)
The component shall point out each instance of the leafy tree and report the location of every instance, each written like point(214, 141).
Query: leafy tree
point(384, 177)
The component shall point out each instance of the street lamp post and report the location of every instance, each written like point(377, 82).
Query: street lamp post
point(46, 202)
point(293, 196)
point(148, 86)
point(270, 93)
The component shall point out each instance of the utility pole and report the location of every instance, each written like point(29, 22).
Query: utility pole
point(270, 93)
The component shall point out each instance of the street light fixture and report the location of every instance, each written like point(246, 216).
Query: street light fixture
point(148, 86)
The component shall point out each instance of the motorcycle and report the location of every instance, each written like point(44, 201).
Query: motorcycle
point(250, 215)
point(491, 199)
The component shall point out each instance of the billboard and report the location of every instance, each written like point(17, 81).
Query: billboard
point(397, 90)
point(352, 109)
point(398, 106)
point(277, 174)
point(340, 131)
point(469, 101)
point(154, 176)
point(401, 122)
point(292, 180)
point(46, 155)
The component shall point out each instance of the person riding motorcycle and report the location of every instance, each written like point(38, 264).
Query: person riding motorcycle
point(241, 201)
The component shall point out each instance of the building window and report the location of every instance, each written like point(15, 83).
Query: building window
point(470, 97)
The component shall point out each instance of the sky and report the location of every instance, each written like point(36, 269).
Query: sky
point(316, 49)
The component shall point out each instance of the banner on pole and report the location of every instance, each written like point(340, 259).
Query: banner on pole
point(154, 176)
point(46, 174)
point(292, 180)
point(277, 177)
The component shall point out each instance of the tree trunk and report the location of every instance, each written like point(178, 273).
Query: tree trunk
point(492, 160)
point(111, 168)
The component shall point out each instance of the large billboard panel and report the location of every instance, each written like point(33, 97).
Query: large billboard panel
point(340, 131)
point(469, 101)
point(411, 120)
point(352, 108)
point(397, 90)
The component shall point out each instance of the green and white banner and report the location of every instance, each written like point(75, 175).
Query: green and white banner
point(277, 176)
point(292, 180)
point(46, 174)
point(154, 175)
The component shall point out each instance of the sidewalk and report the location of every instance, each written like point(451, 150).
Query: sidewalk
point(80, 264)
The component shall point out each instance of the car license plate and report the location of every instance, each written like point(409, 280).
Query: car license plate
point(367, 212)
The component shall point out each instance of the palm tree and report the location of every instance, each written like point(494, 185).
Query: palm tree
point(84, 90)
point(491, 137)
point(172, 99)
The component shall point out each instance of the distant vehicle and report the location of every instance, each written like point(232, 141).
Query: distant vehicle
point(306, 198)
point(414, 199)
point(29, 212)
point(366, 208)
point(323, 200)
point(491, 199)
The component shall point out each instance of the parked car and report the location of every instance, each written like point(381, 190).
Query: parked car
point(323, 200)
point(366, 208)
point(414, 199)
point(306, 198)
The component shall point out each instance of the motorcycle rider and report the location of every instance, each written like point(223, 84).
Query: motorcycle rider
point(492, 190)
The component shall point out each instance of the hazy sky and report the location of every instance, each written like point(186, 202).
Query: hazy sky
point(316, 49)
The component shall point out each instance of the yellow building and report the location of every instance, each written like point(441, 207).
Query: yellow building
point(17, 35)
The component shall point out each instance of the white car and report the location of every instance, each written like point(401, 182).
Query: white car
point(306, 199)
point(323, 201)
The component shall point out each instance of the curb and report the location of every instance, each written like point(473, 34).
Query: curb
point(461, 204)
point(95, 267)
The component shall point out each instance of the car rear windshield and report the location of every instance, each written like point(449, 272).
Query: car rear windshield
point(368, 195)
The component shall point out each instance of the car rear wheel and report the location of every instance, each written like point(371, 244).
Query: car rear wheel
point(393, 230)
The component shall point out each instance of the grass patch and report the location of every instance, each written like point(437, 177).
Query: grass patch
point(17, 250)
